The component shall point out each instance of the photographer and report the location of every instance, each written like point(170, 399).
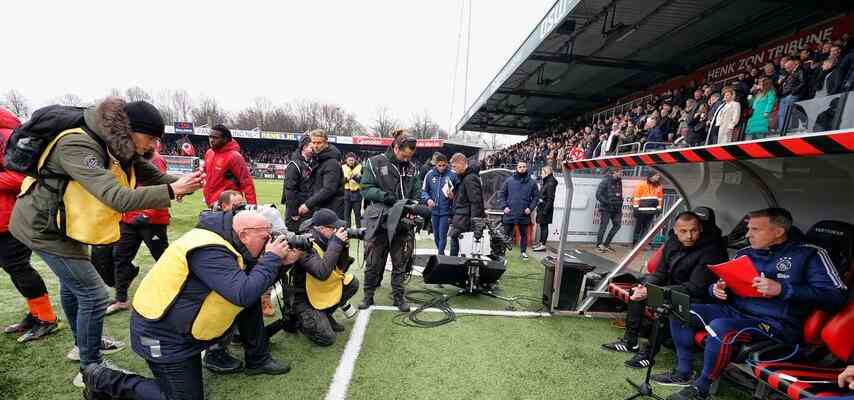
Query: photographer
point(389, 178)
point(206, 281)
point(319, 280)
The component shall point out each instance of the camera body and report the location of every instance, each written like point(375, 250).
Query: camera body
point(356, 233)
point(300, 242)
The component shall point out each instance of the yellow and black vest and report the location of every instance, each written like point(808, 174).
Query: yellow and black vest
point(165, 281)
point(82, 217)
point(348, 173)
point(326, 293)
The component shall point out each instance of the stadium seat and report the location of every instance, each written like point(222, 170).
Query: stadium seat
point(798, 380)
point(622, 290)
point(838, 239)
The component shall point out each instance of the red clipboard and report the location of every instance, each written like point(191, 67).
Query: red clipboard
point(738, 275)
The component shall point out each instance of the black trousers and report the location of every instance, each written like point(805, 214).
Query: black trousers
point(15, 260)
point(182, 380)
point(523, 234)
point(125, 250)
point(314, 323)
point(376, 254)
point(642, 224)
point(353, 207)
point(544, 233)
point(604, 216)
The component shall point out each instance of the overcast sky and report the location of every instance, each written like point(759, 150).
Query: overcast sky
point(358, 54)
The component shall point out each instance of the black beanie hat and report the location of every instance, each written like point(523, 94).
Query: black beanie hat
point(144, 118)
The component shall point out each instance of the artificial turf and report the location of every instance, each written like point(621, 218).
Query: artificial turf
point(474, 357)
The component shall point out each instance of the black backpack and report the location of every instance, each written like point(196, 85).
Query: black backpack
point(28, 141)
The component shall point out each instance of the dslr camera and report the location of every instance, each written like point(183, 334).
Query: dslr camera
point(300, 242)
point(356, 233)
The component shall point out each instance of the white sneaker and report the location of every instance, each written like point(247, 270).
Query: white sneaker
point(108, 346)
point(539, 247)
point(78, 380)
point(524, 256)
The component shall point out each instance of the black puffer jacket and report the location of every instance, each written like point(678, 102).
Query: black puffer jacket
point(468, 199)
point(327, 182)
point(687, 267)
point(609, 194)
point(546, 206)
point(297, 188)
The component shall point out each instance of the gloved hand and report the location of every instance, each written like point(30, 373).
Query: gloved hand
point(478, 234)
point(389, 199)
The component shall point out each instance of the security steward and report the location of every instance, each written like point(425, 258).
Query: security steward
point(387, 179)
point(319, 280)
point(206, 281)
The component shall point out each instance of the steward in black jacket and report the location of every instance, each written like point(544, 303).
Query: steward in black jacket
point(467, 206)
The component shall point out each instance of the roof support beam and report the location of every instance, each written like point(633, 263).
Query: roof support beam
point(514, 114)
point(549, 95)
point(609, 62)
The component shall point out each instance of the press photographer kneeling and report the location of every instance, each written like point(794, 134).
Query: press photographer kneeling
point(319, 280)
point(206, 281)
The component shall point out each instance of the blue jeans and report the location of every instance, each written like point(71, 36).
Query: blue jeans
point(726, 321)
point(440, 231)
point(84, 299)
point(785, 102)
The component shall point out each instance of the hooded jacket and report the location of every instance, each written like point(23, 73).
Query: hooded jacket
point(809, 280)
point(327, 182)
point(518, 193)
point(80, 157)
point(213, 268)
point(546, 205)
point(10, 181)
point(468, 199)
point(158, 216)
point(297, 186)
point(225, 169)
point(609, 194)
point(687, 267)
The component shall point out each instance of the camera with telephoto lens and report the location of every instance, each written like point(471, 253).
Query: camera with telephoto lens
point(414, 217)
point(298, 242)
point(356, 233)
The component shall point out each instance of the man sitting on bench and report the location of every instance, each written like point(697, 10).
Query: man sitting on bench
point(795, 278)
point(684, 267)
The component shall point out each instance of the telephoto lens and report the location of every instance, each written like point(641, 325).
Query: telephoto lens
point(348, 310)
point(356, 233)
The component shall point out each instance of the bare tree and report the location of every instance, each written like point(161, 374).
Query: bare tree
point(384, 122)
point(423, 126)
point(114, 92)
point(209, 112)
point(17, 103)
point(163, 102)
point(182, 103)
point(137, 93)
point(282, 119)
point(70, 99)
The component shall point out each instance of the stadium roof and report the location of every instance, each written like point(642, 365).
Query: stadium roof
point(585, 54)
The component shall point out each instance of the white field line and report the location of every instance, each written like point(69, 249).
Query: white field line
point(344, 372)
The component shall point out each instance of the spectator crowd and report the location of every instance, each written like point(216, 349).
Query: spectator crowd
point(750, 106)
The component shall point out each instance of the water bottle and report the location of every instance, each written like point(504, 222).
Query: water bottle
point(348, 310)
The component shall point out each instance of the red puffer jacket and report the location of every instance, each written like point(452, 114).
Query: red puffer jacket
point(10, 182)
point(159, 216)
point(227, 170)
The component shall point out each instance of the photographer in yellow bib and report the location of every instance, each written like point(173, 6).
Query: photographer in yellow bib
point(206, 281)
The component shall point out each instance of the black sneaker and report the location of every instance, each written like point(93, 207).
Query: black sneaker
point(26, 324)
point(222, 362)
point(336, 327)
point(689, 393)
point(640, 360)
point(39, 330)
point(272, 367)
point(671, 378)
point(90, 374)
point(401, 305)
point(367, 302)
point(621, 346)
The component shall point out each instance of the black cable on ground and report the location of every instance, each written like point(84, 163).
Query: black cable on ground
point(434, 299)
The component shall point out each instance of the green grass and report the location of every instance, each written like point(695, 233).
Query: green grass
point(473, 357)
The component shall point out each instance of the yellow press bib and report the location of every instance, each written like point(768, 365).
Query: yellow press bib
point(348, 173)
point(162, 285)
point(326, 293)
point(81, 216)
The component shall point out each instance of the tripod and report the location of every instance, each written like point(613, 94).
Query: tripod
point(662, 315)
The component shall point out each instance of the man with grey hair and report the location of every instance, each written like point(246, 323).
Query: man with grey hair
point(793, 278)
point(206, 281)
